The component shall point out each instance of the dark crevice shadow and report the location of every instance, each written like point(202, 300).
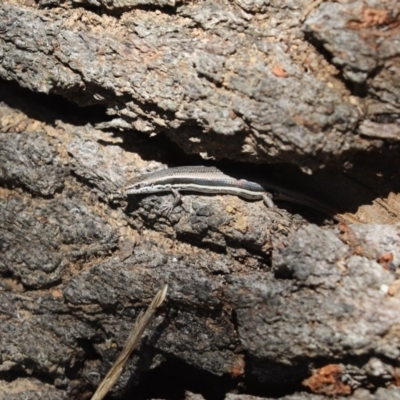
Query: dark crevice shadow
point(118, 12)
point(357, 89)
point(263, 375)
point(171, 379)
point(20, 371)
point(49, 108)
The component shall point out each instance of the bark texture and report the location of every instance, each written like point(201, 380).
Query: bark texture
point(237, 69)
point(260, 301)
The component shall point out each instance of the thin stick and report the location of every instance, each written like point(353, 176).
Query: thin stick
point(141, 323)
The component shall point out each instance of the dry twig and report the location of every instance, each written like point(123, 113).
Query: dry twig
point(135, 335)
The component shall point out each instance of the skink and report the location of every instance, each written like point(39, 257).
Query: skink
point(212, 180)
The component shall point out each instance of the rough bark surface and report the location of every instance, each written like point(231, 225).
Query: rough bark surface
point(261, 301)
point(236, 69)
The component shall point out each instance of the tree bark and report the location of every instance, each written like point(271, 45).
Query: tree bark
point(268, 302)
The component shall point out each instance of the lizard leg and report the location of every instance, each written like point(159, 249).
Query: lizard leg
point(177, 199)
point(267, 199)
